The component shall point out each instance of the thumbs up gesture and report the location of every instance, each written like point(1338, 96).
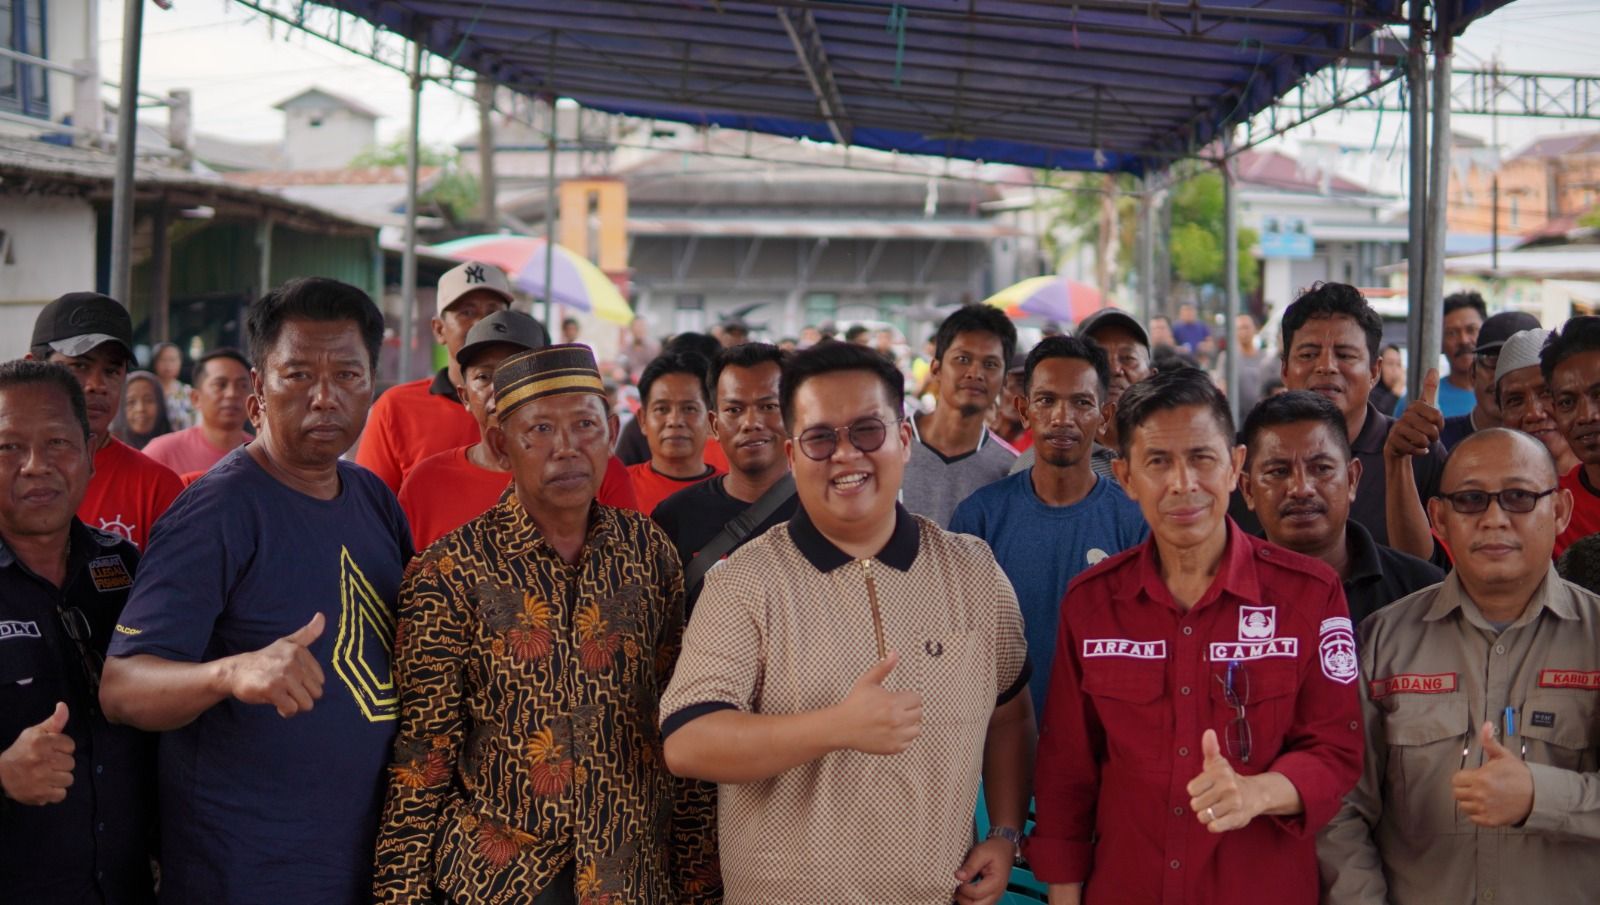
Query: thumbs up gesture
point(1419, 425)
point(874, 719)
point(37, 768)
point(283, 674)
point(1499, 793)
point(1219, 797)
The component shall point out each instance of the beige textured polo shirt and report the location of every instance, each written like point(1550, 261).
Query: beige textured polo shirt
point(1433, 672)
point(787, 625)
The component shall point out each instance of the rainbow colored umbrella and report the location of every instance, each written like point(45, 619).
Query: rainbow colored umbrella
point(1053, 298)
point(574, 281)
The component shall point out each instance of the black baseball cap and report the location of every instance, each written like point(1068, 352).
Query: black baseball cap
point(1112, 317)
point(1501, 327)
point(79, 321)
point(507, 328)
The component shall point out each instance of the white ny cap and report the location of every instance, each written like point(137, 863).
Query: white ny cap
point(471, 277)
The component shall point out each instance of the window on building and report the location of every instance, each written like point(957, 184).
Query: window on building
point(821, 308)
point(23, 87)
point(689, 314)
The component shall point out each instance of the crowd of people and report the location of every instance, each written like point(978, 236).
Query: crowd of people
point(780, 635)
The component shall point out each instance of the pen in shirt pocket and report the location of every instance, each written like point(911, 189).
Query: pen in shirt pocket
point(1511, 721)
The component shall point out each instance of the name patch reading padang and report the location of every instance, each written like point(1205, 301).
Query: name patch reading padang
point(1412, 683)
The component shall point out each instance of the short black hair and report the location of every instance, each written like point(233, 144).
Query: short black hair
point(1394, 346)
point(569, 320)
point(1579, 334)
point(675, 362)
point(1580, 563)
point(1294, 407)
point(832, 356)
point(976, 319)
point(313, 299)
point(1329, 300)
point(227, 352)
point(1063, 346)
point(855, 331)
point(25, 372)
point(703, 344)
point(1455, 301)
point(744, 355)
point(1177, 388)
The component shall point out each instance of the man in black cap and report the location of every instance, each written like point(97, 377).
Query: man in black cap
point(93, 336)
point(76, 793)
point(1486, 410)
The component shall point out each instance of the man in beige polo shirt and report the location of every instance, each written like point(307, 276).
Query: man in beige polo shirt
point(1480, 700)
point(848, 675)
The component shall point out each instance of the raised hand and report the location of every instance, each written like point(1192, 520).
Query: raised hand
point(876, 720)
point(37, 768)
point(1419, 425)
point(1219, 796)
point(283, 674)
point(1499, 793)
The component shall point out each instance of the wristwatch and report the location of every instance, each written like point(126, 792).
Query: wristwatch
point(1009, 834)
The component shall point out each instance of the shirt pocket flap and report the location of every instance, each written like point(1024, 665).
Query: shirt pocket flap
point(1416, 722)
point(1135, 684)
point(1255, 682)
point(1564, 720)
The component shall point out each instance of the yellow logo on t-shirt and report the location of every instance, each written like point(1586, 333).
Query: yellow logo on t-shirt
point(365, 641)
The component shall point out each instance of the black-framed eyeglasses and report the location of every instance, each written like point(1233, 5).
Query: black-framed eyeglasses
point(76, 625)
point(1236, 691)
point(866, 435)
point(1513, 499)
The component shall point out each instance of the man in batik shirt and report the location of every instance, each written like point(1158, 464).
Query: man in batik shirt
point(533, 645)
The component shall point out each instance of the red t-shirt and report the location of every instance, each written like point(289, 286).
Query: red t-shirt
point(445, 491)
point(1585, 509)
point(411, 422)
point(1136, 682)
point(652, 486)
point(128, 492)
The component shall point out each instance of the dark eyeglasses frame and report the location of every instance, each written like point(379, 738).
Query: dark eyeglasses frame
point(830, 435)
point(76, 624)
point(1501, 499)
point(1236, 691)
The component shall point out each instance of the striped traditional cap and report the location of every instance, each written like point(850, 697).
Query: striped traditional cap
point(550, 371)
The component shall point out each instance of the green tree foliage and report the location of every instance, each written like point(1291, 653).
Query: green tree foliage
point(454, 191)
point(1197, 235)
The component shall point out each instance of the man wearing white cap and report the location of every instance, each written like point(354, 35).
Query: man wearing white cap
point(415, 420)
point(1524, 397)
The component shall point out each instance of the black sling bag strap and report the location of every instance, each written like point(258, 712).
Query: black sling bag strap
point(736, 530)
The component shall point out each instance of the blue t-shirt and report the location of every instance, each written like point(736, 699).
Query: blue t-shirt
point(1042, 547)
point(1452, 400)
point(256, 808)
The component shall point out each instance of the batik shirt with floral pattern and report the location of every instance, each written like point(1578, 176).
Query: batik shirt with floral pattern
point(528, 695)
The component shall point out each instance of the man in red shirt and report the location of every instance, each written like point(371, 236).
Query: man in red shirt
point(1202, 722)
point(448, 489)
point(221, 389)
point(675, 424)
point(415, 420)
point(93, 336)
point(1571, 365)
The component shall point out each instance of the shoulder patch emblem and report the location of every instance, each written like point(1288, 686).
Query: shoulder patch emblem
point(110, 573)
point(1337, 647)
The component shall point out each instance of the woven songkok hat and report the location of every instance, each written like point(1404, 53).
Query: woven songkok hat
point(550, 371)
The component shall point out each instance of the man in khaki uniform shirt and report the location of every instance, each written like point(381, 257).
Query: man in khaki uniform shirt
point(1480, 702)
point(848, 675)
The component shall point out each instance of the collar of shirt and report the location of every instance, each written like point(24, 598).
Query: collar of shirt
point(441, 386)
point(1374, 431)
point(1550, 595)
point(1234, 574)
point(899, 553)
point(1365, 565)
point(519, 534)
point(916, 435)
point(83, 544)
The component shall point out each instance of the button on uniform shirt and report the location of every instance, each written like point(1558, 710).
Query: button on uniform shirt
point(527, 742)
point(95, 846)
point(1137, 680)
point(785, 626)
point(411, 422)
point(1380, 575)
point(1433, 672)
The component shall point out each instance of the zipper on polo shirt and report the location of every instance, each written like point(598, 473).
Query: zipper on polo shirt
point(872, 600)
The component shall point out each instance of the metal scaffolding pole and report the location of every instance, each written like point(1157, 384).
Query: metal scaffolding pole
point(1147, 248)
point(1230, 273)
point(550, 220)
point(408, 259)
point(122, 203)
point(1416, 240)
point(1438, 191)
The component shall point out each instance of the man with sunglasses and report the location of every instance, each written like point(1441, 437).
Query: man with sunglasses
point(848, 676)
point(1202, 721)
point(76, 793)
point(1481, 696)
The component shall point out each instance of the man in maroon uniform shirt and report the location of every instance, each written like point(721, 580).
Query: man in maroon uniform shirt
point(1202, 721)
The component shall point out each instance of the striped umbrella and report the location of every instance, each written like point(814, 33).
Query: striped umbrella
point(574, 281)
point(1053, 298)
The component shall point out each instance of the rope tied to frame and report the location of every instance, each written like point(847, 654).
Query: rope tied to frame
point(896, 25)
point(467, 32)
point(1255, 70)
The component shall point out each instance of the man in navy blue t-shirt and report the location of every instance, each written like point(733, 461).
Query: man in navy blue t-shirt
point(259, 631)
point(1050, 522)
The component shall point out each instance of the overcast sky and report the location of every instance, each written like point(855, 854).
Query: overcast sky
point(238, 65)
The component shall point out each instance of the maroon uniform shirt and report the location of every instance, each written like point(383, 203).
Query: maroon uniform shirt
point(1136, 682)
